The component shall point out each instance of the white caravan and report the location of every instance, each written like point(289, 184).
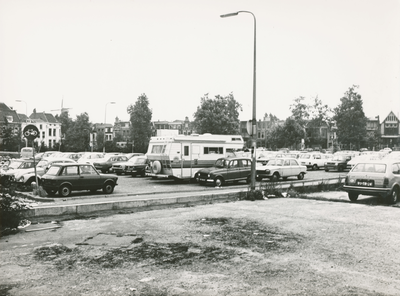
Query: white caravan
point(181, 157)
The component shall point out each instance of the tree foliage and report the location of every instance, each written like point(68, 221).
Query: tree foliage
point(11, 139)
point(300, 111)
point(288, 135)
point(77, 134)
point(350, 119)
point(218, 116)
point(140, 117)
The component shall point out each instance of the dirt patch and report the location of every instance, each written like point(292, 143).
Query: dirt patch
point(275, 247)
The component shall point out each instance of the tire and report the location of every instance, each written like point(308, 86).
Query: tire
point(300, 176)
point(143, 173)
point(65, 190)
point(259, 179)
point(133, 174)
point(340, 169)
point(393, 197)
point(326, 170)
point(218, 182)
point(119, 174)
point(108, 188)
point(315, 167)
point(156, 167)
point(353, 196)
point(275, 177)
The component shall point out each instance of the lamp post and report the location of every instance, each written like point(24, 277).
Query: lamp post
point(105, 120)
point(254, 119)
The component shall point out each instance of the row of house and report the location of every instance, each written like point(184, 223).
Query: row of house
point(388, 131)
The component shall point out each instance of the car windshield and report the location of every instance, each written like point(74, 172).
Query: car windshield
point(53, 170)
point(304, 156)
point(221, 163)
point(338, 158)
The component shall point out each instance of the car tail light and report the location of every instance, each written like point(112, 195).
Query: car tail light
point(385, 182)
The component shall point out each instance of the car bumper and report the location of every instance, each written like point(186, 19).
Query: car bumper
point(367, 190)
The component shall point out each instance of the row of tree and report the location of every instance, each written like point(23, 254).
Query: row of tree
point(220, 115)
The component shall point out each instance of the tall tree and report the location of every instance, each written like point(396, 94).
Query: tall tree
point(77, 135)
point(320, 116)
point(350, 119)
point(218, 116)
point(300, 111)
point(140, 117)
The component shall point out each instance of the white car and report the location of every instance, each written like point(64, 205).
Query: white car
point(278, 168)
point(26, 177)
point(314, 161)
point(91, 157)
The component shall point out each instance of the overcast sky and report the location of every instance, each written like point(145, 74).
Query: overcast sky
point(89, 53)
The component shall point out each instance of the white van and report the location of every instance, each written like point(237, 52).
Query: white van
point(26, 152)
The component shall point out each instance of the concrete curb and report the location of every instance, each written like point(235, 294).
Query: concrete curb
point(128, 204)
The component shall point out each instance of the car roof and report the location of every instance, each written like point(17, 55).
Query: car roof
point(71, 164)
point(234, 158)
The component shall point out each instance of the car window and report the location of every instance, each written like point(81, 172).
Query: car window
point(287, 162)
point(70, 171)
point(234, 164)
point(246, 163)
point(293, 162)
point(87, 170)
point(396, 168)
point(279, 162)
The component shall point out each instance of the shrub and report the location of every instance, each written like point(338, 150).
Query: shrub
point(11, 209)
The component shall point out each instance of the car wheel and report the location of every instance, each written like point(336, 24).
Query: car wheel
point(326, 170)
point(50, 192)
point(259, 179)
point(133, 174)
point(143, 173)
point(119, 174)
point(393, 197)
point(340, 169)
point(353, 196)
point(218, 182)
point(65, 190)
point(300, 176)
point(315, 167)
point(108, 188)
point(275, 177)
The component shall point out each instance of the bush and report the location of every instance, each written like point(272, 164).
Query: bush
point(11, 209)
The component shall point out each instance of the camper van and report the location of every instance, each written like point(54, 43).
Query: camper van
point(180, 157)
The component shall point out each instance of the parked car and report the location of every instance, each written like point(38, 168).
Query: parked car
point(133, 166)
point(130, 155)
point(72, 155)
point(278, 168)
point(337, 163)
point(313, 160)
point(68, 177)
point(226, 170)
point(376, 178)
point(90, 157)
point(26, 177)
point(105, 164)
point(15, 166)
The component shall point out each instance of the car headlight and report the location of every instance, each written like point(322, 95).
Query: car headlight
point(352, 180)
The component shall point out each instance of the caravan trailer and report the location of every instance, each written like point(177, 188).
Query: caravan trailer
point(181, 157)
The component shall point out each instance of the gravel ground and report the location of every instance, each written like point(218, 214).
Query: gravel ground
point(282, 246)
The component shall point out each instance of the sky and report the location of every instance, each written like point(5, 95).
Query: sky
point(84, 54)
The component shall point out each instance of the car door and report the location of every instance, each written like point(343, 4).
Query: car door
point(286, 168)
point(89, 177)
point(70, 174)
point(233, 172)
point(245, 169)
point(295, 166)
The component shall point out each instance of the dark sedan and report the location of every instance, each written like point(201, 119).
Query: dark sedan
point(68, 177)
point(105, 164)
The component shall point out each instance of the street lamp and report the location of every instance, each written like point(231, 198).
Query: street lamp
point(254, 119)
point(105, 120)
point(26, 106)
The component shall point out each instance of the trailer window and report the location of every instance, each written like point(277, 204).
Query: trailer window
point(213, 150)
point(186, 150)
point(158, 149)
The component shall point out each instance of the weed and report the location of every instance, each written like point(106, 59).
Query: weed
point(11, 211)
